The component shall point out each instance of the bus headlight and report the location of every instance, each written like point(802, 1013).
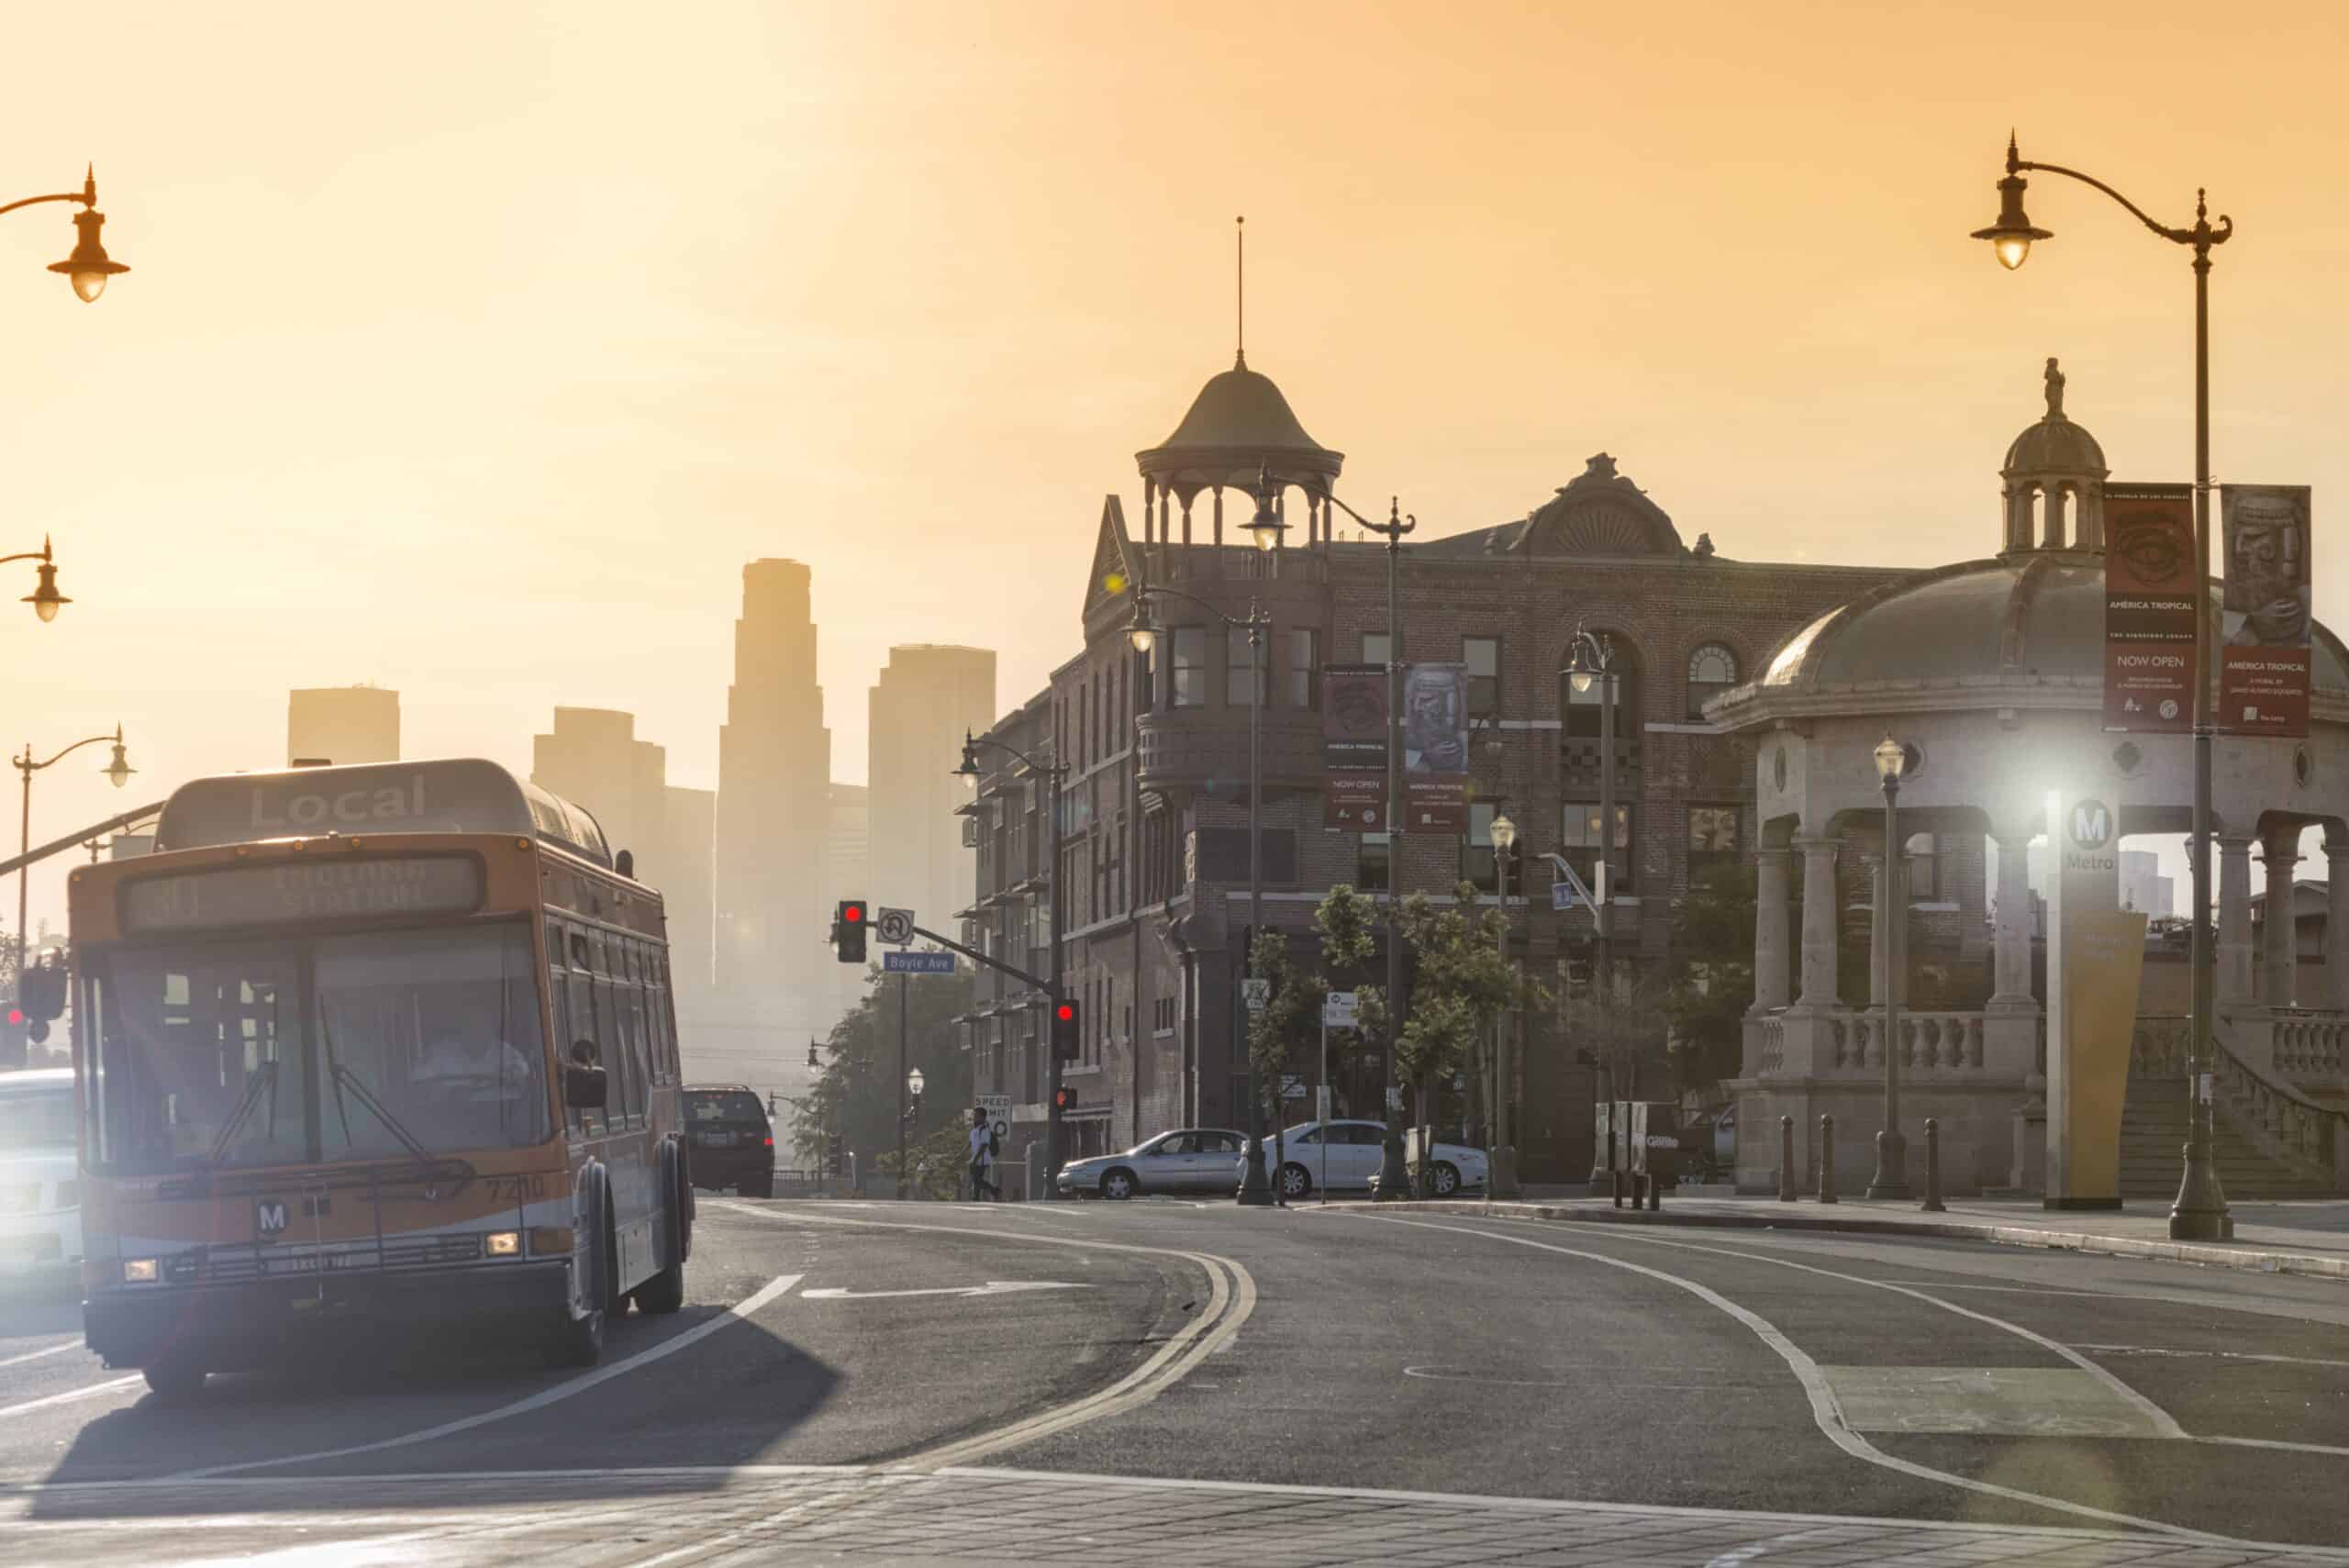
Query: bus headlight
point(503, 1243)
point(139, 1271)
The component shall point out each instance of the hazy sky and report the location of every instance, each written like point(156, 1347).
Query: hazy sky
point(470, 350)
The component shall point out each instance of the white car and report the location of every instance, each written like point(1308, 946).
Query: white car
point(1189, 1159)
point(41, 1203)
point(1344, 1156)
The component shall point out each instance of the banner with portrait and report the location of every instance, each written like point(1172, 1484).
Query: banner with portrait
point(2264, 626)
point(2149, 599)
point(1435, 748)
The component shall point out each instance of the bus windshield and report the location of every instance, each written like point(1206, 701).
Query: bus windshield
point(351, 1047)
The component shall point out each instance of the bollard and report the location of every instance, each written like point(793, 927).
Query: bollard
point(1933, 1203)
point(1827, 1158)
point(1655, 1192)
point(1615, 1184)
point(1786, 1159)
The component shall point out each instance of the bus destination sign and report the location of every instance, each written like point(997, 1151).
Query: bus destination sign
point(317, 890)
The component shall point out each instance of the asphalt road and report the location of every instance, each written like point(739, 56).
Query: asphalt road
point(879, 1381)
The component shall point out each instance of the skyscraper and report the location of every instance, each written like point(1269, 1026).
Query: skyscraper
point(343, 724)
point(774, 761)
point(926, 699)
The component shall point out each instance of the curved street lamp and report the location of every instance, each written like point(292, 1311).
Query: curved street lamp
point(45, 600)
point(89, 266)
point(116, 772)
point(1255, 1189)
point(1056, 778)
point(2199, 1211)
point(1891, 1149)
point(1503, 1177)
point(1394, 1180)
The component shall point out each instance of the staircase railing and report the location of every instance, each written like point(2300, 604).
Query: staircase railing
point(2284, 1123)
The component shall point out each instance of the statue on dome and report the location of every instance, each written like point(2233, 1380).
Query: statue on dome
point(2055, 390)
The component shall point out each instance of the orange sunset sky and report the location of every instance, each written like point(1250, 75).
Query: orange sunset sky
point(470, 349)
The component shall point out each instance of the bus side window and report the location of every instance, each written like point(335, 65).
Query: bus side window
point(559, 1010)
point(669, 1020)
point(646, 1059)
point(611, 1033)
point(582, 1021)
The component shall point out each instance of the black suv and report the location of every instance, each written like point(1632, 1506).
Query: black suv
point(732, 1142)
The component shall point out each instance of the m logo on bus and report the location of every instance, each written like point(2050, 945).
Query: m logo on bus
point(269, 1218)
point(2092, 824)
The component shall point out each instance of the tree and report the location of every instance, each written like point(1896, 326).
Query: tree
point(1291, 1017)
point(856, 1093)
point(1464, 985)
point(1348, 941)
point(1712, 979)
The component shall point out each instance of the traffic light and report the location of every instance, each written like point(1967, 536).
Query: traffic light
point(848, 930)
point(12, 1038)
point(41, 992)
point(1064, 1035)
point(1065, 1098)
point(835, 1158)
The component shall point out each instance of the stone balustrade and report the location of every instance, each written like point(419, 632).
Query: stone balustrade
point(1930, 1042)
point(2161, 1046)
point(1771, 1058)
point(2282, 1122)
point(2308, 1049)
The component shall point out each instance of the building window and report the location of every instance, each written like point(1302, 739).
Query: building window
point(1372, 873)
point(1235, 670)
point(1483, 657)
point(1304, 669)
point(1712, 670)
point(1374, 646)
point(1190, 647)
point(1712, 839)
point(1476, 850)
point(1924, 869)
point(1581, 711)
point(1578, 841)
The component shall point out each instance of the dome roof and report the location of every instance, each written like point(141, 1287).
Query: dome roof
point(1237, 423)
point(2034, 620)
point(2056, 445)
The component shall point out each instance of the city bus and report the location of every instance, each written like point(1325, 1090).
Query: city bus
point(367, 1049)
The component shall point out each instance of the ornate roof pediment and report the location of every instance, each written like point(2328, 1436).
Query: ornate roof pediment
point(1600, 512)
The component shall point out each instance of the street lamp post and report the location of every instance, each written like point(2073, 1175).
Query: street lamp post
point(1891, 1149)
point(89, 266)
point(2200, 1212)
point(1503, 1182)
point(1255, 1189)
point(117, 772)
point(1393, 1179)
point(45, 600)
point(1593, 660)
point(1055, 776)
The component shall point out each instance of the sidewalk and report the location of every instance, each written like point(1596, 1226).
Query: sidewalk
point(2303, 1236)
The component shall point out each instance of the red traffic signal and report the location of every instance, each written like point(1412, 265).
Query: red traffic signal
point(1064, 1030)
point(1065, 1013)
point(851, 913)
point(16, 1016)
point(1065, 1099)
point(849, 927)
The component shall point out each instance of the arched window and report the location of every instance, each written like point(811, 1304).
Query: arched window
point(1712, 670)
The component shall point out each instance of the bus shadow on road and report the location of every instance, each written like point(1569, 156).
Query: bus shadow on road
point(730, 1399)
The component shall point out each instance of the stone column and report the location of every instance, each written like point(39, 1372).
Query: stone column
point(1819, 912)
point(2234, 921)
point(2281, 852)
point(2336, 924)
point(2010, 936)
point(1769, 929)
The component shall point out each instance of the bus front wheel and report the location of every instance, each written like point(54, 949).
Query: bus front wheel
point(175, 1382)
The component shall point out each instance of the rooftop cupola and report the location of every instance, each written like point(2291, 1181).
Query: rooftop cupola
point(2054, 477)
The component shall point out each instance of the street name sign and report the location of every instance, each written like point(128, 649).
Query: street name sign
point(917, 963)
point(894, 927)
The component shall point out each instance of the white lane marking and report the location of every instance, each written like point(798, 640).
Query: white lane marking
point(1824, 1411)
point(993, 1287)
point(538, 1401)
point(2163, 1424)
point(71, 1344)
point(2223, 1355)
point(2275, 1442)
point(1230, 1303)
point(91, 1392)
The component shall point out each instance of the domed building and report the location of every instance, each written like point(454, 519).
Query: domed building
point(1993, 671)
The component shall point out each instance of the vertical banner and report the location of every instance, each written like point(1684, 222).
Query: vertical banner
point(2264, 667)
point(1435, 748)
point(1354, 747)
point(2149, 608)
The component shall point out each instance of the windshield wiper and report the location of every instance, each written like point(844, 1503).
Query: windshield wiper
point(266, 1079)
point(342, 1078)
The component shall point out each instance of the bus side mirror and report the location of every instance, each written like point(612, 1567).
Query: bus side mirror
point(584, 1088)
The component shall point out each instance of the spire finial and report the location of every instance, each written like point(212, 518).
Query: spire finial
point(1240, 232)
point(2055, 390)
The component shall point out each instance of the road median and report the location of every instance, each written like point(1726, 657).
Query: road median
point(2327, 1257)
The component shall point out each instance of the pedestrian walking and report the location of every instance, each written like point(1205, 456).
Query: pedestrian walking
point(982, 1153)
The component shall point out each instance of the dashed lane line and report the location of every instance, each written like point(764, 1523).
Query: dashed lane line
point(562, 1391)
point(72, 1344)
point(1824, 1411)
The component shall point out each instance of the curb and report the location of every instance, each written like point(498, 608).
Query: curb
point(2247, 1259)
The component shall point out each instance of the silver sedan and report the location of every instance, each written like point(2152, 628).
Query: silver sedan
point(1189, 1159)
